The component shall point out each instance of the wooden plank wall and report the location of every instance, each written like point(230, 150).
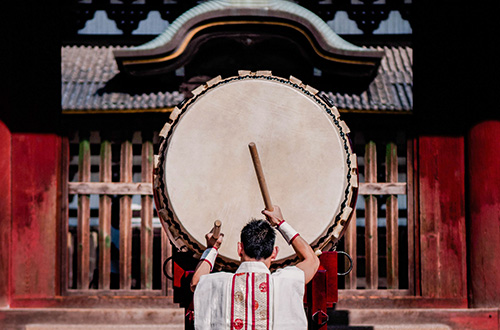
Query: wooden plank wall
point(84, 188)
point(35, 214)
point(36, 210)
point(437, 266)
point(442, 217)
point(370, 189)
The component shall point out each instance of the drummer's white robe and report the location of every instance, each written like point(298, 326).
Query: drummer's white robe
point(251, 298)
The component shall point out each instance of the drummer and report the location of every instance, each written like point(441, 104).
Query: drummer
point(253, 298)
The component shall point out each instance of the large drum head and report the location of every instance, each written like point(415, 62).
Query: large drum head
point(205, 171)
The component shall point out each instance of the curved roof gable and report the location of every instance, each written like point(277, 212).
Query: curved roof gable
point(177, 44)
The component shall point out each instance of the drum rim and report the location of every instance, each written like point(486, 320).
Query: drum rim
point(182, 240)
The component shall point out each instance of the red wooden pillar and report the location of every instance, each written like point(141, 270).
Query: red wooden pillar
point(36, 175)
point(441, 175)
point(5, 214)
point(483, 156)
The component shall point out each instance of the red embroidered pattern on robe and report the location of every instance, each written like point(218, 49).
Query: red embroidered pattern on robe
point(250, 291)
point(260, 313)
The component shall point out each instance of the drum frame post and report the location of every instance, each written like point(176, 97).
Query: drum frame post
point(317, 300)
point(322, 291)
point(328, 261)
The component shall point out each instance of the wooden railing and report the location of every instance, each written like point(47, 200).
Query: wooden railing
point(108, 173)
point(88, 242)
point(372, 191)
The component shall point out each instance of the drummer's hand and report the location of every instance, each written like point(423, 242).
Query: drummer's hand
point(274, 217)
point(212, 242)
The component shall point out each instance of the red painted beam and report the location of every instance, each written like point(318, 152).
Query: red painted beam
point(483, 156)
point(36, 175)
point(441, 173)
point(5, 214)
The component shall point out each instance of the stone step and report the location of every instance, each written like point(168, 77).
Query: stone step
point(347, 327)
point(104, 327)
point(392, 327)
point(413, 327)
point(88, 318)
point(414, 319)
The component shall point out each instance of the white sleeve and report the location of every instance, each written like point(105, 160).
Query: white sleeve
point(210, 300)
point(288, 296)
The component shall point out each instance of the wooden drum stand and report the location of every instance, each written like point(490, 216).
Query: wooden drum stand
point(203, 172)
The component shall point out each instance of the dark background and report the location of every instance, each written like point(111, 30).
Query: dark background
point(455, 64)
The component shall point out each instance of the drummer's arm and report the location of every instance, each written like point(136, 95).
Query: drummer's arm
point(309, 262)
point(204, 266)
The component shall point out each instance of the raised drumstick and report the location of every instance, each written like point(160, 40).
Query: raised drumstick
point(260, 176)
point(216, 229)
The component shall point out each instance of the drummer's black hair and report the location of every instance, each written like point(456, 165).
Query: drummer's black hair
point(258, 239)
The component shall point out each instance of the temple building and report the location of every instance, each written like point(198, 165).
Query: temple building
point(90, 84)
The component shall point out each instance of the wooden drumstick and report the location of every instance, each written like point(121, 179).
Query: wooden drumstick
point(260, 176)
point(216, 229)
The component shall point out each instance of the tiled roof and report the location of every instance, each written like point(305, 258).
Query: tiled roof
point(391, 90)
point(87, 73)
